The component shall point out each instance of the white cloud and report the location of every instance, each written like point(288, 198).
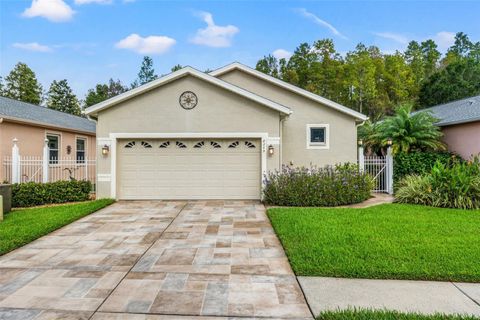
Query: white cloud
point(392, 36)
point(282, 54)
point(213, 35)
point(147, 45)
point(444, 39)
point(32, 46)
point(80, 2)
point(53, 10)
point(320, 22)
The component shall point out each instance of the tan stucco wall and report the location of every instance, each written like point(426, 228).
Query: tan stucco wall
point(343, 133)
point(158, 111)
point(463, 139)
point(31, 140)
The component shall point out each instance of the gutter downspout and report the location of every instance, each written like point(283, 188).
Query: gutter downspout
point(281, 122)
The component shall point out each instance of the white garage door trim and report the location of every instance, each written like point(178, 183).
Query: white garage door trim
point(263, 136)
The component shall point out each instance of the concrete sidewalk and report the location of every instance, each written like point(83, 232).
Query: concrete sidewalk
point(426, 297)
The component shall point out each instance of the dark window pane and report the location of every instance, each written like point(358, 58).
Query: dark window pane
point(80, 144)
point(80, 156)
point(53, 142)
point(317, 135)
point(80, 150)
point(53, 156)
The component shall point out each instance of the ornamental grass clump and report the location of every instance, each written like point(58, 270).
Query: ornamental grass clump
point(455, 185)
point(317, 187)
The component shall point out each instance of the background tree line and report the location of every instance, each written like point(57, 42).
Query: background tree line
point(364, 79)
point(373, 82)
point(22, 84)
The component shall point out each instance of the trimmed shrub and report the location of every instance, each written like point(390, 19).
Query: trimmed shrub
point(447, 186)
point(418, 163)
point(317, 187)
point(34, 194)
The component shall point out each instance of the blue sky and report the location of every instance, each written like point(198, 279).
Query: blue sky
point(90, 41)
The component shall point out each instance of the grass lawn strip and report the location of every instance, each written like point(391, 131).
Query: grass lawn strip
point(390, 241)
point(364, 314)
point(20, 227)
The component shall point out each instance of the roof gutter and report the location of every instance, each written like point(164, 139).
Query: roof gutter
point(46, 125)
point(452, 123)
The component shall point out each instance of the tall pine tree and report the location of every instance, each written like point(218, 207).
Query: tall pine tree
point(22, 84)
point(102, 92)
point(146, 73)
point(60, 97)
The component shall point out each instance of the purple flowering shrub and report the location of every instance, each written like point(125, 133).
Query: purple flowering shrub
point(317, 187)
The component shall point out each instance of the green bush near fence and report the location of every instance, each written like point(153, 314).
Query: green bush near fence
point(453, 185)
point(418, 163)
point(34, 194)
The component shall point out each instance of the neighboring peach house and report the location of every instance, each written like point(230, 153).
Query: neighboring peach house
point(460, 124)
point(68, 136)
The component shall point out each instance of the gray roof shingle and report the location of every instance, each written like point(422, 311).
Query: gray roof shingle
point(456, 112)
point(10, 108)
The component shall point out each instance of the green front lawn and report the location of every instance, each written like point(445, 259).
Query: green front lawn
point(20, 227)
point(384, 315)
point(390, 241)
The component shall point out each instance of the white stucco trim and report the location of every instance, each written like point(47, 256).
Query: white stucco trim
point(177, 75)
point(104, 141)
point(290, 87)
point(327, 136)
point(113, 137)
point(275, 141)
point(104, 177)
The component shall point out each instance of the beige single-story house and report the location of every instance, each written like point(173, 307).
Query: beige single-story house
point(68, 136)
point(460, 124)
point(196, 135)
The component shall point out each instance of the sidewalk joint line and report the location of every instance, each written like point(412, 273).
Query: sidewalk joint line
point(466, 294)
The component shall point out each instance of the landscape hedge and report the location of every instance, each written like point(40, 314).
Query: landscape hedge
point(34, 194)
point(317, 187)
point(418, 163)
point(452, 185)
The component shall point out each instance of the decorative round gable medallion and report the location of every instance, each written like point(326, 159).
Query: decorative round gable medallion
point(188, 100)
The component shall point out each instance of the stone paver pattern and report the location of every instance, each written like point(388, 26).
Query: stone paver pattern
point(154, 260)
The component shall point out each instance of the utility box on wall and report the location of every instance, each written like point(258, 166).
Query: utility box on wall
point(6, 193)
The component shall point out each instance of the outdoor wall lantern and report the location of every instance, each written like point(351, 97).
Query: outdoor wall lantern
point(105, 150)
point(360, 142)
point(271, 150)
point(389, 142)
point(69, 149)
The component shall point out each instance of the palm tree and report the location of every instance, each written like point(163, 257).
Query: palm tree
point(370, 135)
point(411, 132)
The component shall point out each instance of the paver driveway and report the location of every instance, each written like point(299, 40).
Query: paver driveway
point(154, 260)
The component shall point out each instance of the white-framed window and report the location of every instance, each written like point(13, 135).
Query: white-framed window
point(81, 149)
point(53, 147)
point(318, 136)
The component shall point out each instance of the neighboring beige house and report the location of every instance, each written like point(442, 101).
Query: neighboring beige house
point(69, 137)
point(460, 124)
point(193, 135)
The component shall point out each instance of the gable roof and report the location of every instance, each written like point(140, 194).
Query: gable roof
point(456, 112)
point(93, 110)
point(25, 112)
point(290, 87)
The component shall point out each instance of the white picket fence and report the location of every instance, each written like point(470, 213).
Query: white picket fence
point(21, 169)
point(30, 169)
point(380, 168)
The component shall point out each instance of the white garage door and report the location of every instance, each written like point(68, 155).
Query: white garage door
point(189, 169)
